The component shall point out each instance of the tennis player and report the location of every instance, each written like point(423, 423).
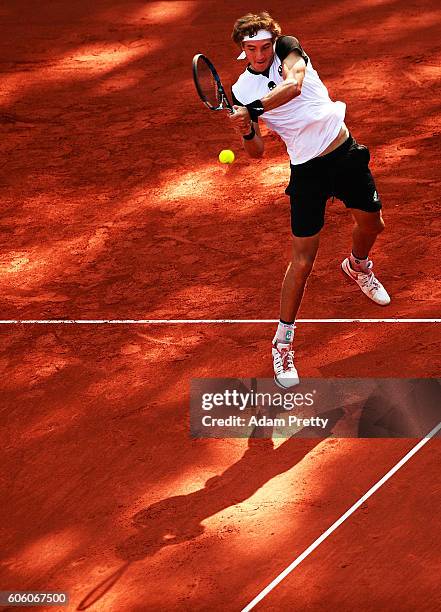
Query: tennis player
point(280, 86)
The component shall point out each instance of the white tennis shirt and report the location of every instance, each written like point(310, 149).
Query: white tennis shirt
point(308, 123)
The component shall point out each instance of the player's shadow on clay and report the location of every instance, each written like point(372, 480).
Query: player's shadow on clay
point(179, 518)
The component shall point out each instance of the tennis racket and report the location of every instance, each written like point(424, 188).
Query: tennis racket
point(208, 84)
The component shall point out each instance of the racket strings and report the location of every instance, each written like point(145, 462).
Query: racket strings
point(208, 84)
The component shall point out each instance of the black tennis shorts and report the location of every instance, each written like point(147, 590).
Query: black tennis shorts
point(343, 173)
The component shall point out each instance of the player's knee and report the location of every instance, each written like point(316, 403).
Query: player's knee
point(303, 264)
point(380, 225)
point(373, 226)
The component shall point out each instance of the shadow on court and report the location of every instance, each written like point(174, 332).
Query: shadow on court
point(179, 518)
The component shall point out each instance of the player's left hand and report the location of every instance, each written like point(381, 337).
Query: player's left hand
point(240, 119)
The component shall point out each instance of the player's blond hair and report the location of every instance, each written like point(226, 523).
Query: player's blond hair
point(251, 24)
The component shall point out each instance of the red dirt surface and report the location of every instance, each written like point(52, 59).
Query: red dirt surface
point(114, 206)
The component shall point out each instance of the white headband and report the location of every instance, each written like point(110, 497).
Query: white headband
point(260, 35)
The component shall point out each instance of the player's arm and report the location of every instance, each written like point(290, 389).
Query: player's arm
point(248, 130)
point(251, 137)
point(293, 72)
point(253, 142)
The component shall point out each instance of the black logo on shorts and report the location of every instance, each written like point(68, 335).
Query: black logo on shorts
point(271, 85)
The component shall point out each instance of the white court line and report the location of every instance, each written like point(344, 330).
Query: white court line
point(341, 520)
point(195, 321)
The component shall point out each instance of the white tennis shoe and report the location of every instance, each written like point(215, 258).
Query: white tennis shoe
point(285, 373)
point(368, 283)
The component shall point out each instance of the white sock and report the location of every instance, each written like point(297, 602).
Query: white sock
point(359, 265)
point(284, 333)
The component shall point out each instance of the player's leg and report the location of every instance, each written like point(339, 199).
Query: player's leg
point(355, 186)
point(367, 226)
point(358, 266)
point(308, 191)
point(304, 251)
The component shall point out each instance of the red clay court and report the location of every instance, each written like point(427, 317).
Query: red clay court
point(114, 207)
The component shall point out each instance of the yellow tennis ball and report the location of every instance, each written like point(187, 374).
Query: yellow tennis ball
point(226, 156)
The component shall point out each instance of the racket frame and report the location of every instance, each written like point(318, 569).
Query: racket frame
point(221, 95)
